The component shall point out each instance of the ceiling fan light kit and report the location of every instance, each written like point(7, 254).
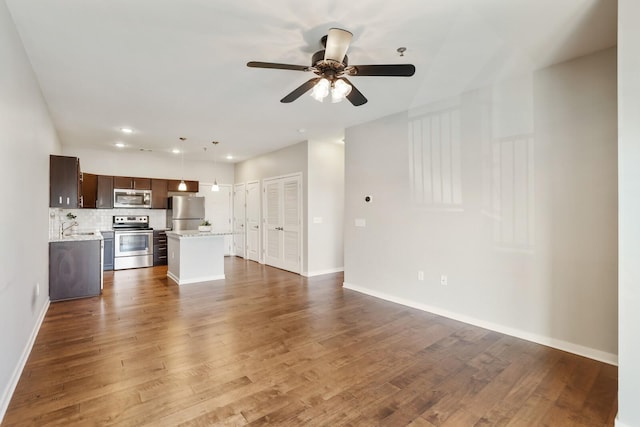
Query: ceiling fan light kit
point(339, 90)
point(331, 66)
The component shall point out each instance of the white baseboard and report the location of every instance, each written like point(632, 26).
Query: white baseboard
point(7, 393)
point(194, 279)
point(580, 350)
point(617, 423)
point(321, 272)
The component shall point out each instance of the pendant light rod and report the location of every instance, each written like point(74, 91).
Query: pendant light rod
point(215, 186)
point(182, 186)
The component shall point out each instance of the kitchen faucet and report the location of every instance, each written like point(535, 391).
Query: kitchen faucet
point(63, 228)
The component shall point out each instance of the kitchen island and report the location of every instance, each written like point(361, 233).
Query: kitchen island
point(195, 256)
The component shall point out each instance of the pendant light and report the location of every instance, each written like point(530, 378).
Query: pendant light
point(182, 186)
point(215, 186)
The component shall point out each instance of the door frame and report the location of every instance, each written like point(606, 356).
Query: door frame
point(243, 215)
point(246, 220)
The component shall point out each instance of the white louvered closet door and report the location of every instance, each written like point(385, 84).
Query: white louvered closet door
point(282, 220)
point(291, 224)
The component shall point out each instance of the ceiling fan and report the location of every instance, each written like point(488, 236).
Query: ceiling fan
point(331, 67)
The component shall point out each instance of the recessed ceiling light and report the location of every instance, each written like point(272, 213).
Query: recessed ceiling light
point(175, 151)
point(302, 130)
point(229, 157)
point(119, 144)
point(126, 130)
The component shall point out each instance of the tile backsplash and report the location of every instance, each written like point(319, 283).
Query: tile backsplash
point(100, 219)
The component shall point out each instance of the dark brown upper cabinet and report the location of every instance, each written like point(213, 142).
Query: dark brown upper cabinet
point(64, 182)
point(97, 191)
point(192, 186)
point(104, 195)
point(89, 190)
point(127, 182)
point(159, 193)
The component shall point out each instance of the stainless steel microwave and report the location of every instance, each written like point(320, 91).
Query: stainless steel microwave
point(127, 198)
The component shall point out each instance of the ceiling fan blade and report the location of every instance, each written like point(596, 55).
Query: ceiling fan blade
point(337, 44)
point(300, 90)
point(355, 96)
point(391, 70)
point(257, 64)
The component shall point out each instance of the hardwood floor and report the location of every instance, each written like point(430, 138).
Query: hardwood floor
point(269, 347)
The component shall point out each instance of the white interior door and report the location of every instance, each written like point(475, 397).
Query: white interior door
point(283, 222)
point(253, 221)
point(239, 205)
point(218, 211)
point(272, 190)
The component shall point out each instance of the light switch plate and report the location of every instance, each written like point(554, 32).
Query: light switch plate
point(361, 222)
point(317, 220)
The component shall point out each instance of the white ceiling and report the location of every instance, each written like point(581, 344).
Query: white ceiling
point(171, 68)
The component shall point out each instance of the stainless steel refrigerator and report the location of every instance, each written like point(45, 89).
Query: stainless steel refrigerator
point(185, 213)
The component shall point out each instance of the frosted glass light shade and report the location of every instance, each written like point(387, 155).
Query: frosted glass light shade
point(182, 186)
point(340, 90)
point(321, 90)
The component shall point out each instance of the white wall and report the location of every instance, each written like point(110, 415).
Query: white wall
point(151, 165)
point(629, 227)
point(510, 192)
point(289, 160)
point(321, 163)
point(28, 137)
point(326, 204)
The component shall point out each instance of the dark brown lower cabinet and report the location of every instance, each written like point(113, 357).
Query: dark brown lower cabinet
point(159, 247)
point(75, 270)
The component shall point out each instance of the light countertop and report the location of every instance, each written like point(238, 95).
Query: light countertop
point(196, 233)
point(89, 235)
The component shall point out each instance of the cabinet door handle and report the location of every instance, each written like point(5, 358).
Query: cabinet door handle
point(60, 199)
point(67, 201)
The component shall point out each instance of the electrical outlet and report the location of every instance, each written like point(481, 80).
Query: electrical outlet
point(443, 280)
point(420, 275)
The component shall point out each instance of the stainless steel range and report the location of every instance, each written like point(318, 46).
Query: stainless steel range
point(133, 241)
